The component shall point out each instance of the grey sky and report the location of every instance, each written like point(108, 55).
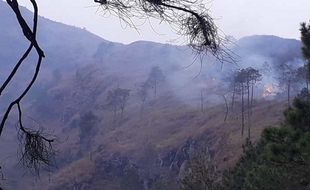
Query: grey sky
point(234, 17)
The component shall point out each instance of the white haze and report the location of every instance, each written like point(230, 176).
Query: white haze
point(238, 18)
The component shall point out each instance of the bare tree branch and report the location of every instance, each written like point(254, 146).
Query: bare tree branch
point(188, 18)
point(37, 149)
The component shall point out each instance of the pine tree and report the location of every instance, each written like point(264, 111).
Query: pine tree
point(305, 39)
point(155, 77)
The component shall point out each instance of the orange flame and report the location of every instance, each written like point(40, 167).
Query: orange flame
point(269, 90)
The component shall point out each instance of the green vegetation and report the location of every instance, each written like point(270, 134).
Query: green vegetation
point(281, 158)
point(305, 39)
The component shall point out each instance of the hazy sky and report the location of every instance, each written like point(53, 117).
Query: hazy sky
point(234, 17)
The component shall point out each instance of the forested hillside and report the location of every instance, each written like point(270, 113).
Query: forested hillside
point(131, 116)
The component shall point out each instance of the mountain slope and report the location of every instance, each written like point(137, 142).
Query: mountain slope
point(65, 46)
point(81, 69)
point(273, 48)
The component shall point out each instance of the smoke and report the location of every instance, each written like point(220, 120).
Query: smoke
point(189, 77)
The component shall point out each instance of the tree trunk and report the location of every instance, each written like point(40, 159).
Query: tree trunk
point(227, 110)
point(249, 110)
point(252, 95)
point(308, 77)
point(142, 108)
point(233, 97)
point(288, 93)
point(242, 109)
point(201, 101)
point(248, 91)
point(114, 114)
point(155, 88)
point(249, 119)
point(122, 112)
point(307, 83)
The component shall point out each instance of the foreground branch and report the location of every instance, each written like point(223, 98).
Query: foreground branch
point(188, 18)
point(37, 149)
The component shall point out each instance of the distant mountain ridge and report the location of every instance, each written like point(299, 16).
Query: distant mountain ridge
point(63, 44)
point(68, 46)
point(281, 49)
point(81, 68)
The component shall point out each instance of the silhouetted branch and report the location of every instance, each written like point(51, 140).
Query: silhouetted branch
point(31, 36)
point(37, 149)
point(13, 72)
point(187, 17)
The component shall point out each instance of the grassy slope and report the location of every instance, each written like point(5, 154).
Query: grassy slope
point(165, 128)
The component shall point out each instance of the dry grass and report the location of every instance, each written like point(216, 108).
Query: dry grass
point(169, 128)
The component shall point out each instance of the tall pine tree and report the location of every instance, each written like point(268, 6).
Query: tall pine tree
point(305, 38)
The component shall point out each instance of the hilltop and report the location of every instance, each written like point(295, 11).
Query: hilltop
point(80, 70)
